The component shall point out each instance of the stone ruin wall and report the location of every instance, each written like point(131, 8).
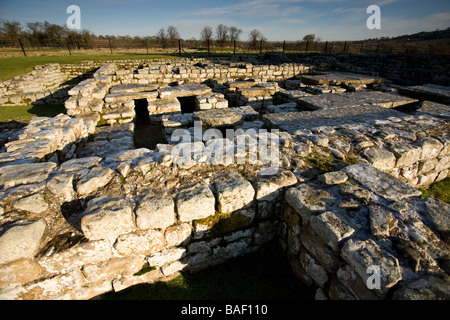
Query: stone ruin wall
point(403, 69)
point(73, 229)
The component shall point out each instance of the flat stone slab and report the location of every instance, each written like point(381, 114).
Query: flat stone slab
point(129, 96)
point(21, 240)
point(432, 92)
point(381, 183)
point(435, 109)
point(14, 175)
point(219, 117)
point(291, 122)
point(351, 99)
point(339, 78)
point(184, 91)
point(133, 87)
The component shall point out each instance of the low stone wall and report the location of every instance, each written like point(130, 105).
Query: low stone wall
point(404, 69)
point(353, 238)
point(48, 139)
point(44, 85)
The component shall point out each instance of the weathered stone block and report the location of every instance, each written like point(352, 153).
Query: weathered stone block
point(33, 204)
point(313, 269)
point(406, 154)
point(381, 183)
point(97, 178)
point(306, 199)
point(195, 202)
point(382, 222)
point(380, 158)
point(140, 243)
point(430, 148)
point(21, 240)
point(233, 192)
point(332, 178)
point(106, 217)
point(13, 175)
point(330, 228)
point(364, 254)
point(156, 210)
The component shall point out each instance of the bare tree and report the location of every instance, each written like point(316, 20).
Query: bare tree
point(12, 30)
point(255, 37)
point(206, 34)
point(161, 36)
point(235, 33)
point(173, 35)
point(222, 34)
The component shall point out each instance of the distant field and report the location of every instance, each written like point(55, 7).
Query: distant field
point(13, 66)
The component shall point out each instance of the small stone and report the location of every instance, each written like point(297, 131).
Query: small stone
point(34, 204)
point(14, 175)
point(381, 221)
point(233, 192)
point(332, 229)
point(195, 202)
point(62, 186)
point(155, 211)
point(21, 240)
point(380, 158)
point(141, 242)
point(97, 178)
point(364, 254)
point(106, 217)
point(332, 178)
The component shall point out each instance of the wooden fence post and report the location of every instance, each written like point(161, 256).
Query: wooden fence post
point(110, 47)
point(21, 45)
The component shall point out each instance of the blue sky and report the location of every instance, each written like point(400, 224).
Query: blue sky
point(276, 19)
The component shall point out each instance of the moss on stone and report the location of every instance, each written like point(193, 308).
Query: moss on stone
point(321, 163)
point(440, 190)
point(222, 223)
point(145, 269)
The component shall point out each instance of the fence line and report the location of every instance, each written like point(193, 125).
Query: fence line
point(181, 46)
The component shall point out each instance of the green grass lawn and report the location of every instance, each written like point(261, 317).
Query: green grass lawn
point(264, 275)
point(25, 113)
point(13, 66)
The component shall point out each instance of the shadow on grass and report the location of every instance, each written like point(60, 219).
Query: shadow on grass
point(26, 112)
point(264, 275)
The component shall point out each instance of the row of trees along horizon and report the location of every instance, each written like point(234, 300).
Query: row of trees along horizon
point(43, 35)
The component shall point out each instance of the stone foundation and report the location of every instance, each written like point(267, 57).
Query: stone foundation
point(83, 212)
